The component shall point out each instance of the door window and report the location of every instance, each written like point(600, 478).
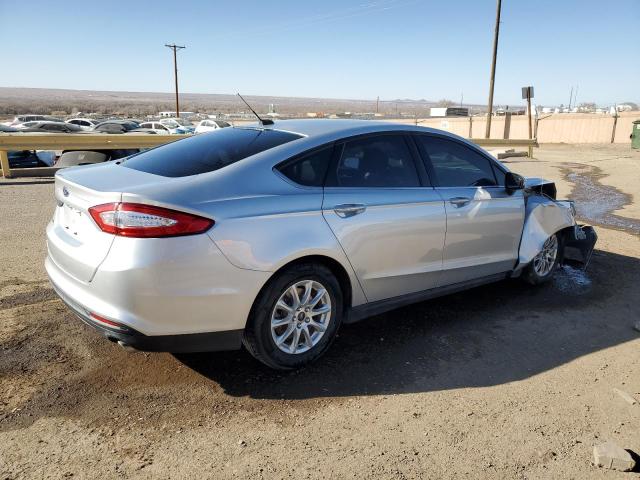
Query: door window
point(456, 165)
point(380, 161)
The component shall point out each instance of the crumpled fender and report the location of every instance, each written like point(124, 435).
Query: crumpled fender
point(543, 217)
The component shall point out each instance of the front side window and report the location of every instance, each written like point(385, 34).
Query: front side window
point(310, 169)
point(206, 153)
point(456, 165)
point(383, 161)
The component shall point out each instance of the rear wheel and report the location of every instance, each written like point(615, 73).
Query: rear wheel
point(544, 264)
point(295, 317)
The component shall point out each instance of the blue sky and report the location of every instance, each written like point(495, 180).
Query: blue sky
point(341, 49)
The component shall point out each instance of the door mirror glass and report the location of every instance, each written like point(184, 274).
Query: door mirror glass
point(513, 182)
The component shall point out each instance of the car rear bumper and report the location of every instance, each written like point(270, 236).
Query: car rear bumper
point(163, 294)
point(128, 337)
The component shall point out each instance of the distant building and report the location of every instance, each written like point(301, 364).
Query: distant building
point(173, 114)
point(449, 112)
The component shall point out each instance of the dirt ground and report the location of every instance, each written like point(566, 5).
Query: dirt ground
point(504, 381)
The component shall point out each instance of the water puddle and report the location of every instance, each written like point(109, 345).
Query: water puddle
point(571, 280)
point(595, 202)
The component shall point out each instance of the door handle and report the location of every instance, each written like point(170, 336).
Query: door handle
point(347, 210)
point(459, 201)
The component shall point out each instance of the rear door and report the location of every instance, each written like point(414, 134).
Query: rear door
point(389, 221)
point(484, 221)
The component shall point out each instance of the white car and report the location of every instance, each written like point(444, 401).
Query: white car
point(157, 127)
point(211, 125)
point(84, 123)
point(177, 126)
point(20, 119)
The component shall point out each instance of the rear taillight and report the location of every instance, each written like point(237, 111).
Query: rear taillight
point(105, 321)
point(145, 221)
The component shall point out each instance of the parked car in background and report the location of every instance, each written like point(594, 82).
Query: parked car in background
point(174, 127)
point(178, 123)
point(19, 119)
point(156, 127)
point(211, 125)
point(84, 123)
point(273, 236)
point(51, 127)
point(116, 126)
point(28, 158)
point(72, 158)
point(25, 125)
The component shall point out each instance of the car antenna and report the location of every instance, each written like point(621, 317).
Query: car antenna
point(264, 121)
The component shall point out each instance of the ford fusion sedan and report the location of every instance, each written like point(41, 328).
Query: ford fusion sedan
point(273, 236)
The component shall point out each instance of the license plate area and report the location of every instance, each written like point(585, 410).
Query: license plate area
point(71, 218)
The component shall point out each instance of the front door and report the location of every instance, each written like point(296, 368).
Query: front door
point(390, 226)
point(484, 221)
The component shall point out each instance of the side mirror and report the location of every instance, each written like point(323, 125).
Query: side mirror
point(513, 182)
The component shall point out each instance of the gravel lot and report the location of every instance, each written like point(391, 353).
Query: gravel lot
point(504, 381)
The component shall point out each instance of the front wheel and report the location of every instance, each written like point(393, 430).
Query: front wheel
point(544, 264)
point(295, 318)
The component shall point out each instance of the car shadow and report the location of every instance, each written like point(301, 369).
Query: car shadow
point(490, 335)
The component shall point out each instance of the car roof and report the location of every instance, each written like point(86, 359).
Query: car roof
point(117, 121)
point(47, 122)
point(338, 128)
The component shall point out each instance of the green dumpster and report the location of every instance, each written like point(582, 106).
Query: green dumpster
point(635, 135)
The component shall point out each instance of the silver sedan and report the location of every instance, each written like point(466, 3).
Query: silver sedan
point(272, 236)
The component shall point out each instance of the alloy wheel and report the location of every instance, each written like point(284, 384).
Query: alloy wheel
point(301, 317)
point(545, 260)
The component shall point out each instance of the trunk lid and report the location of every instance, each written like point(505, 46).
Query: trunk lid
point(74, 241)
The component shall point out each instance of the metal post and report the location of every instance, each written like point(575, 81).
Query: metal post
point(530, 124)
point(493, 69)
point(4, 163)
point(175, 47)
point(507, 125)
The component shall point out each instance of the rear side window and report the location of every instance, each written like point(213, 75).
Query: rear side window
point(310, 169)
point(456, 165)
point(207, 153)
point(381, 161)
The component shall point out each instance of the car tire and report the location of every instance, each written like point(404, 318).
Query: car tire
point(544, 265)
point(285, 335)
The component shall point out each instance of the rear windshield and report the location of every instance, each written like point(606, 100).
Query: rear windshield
point(208, 152)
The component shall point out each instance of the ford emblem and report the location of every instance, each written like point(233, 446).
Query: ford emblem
point(65, 192)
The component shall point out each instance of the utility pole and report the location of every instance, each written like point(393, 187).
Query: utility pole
point(493, 69)
point(175, 47)
point(570, 98)
point(377, 104)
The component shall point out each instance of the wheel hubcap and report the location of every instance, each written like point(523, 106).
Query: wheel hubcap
point(545, 260)
point(301, 317)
